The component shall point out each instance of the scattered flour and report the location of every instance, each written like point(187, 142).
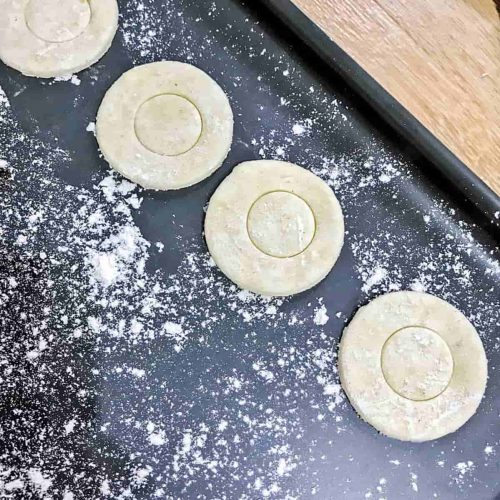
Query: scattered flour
point(40, 481)
point(461, 470)
point(413, 482)
point(375, 278)
point(182, 398)
point(68, 78)
point(320, 315)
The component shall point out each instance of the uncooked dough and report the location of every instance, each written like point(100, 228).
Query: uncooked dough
point(281, 224)
point(417, 363)
point(274, 228)
point(168, 125)
point(412, 366)
point(165, 125)
point(50, 38)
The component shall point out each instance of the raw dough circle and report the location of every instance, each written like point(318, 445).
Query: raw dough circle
point(165, 125)
point(274, 228)
point(168, 124)
point(50, 38)
point(71, 20)
point(392, 387)
point(417, 363)
point(281, 224)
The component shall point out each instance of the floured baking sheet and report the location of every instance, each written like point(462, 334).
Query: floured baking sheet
point(131, 368)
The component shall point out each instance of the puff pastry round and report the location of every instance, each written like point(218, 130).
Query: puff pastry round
point(165, 125)
point(50, 38)
point(274, 228)
point(412, 366)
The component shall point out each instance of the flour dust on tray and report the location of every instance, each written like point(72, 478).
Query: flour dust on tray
point(77, 295)
point(119, 379)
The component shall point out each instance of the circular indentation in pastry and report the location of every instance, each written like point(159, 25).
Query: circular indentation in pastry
point(281, 224)
point(57, 21)
point(417, 363)
point(412, 366)
point(274, 228)
point(165, 125)
point(168, 124)
point(50, 38)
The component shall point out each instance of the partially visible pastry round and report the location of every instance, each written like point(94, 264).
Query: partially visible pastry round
point(165, 125)
point(50, 38)
point(412, 366)
point(274, 228)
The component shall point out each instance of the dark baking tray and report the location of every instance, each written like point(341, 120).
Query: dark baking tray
point(248, 407)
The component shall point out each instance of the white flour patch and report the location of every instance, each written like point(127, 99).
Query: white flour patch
point(67, 78)
point(320, 315)
point(16, 484)
point(41, 482)
point(413, 482)
point(157, 439)
point(489, 450)
point(375, 278)
point(461, 470)
point(70, 426)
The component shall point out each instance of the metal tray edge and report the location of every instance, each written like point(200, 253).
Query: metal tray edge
point(463, 179)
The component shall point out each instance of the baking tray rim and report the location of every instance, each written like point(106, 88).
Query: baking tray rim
point(391, 111)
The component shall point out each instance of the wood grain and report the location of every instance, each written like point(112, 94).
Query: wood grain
point(439, 58)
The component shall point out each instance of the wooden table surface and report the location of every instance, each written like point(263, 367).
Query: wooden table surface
point(439, 58)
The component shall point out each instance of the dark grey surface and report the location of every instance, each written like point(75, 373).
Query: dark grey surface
point(333, 458)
